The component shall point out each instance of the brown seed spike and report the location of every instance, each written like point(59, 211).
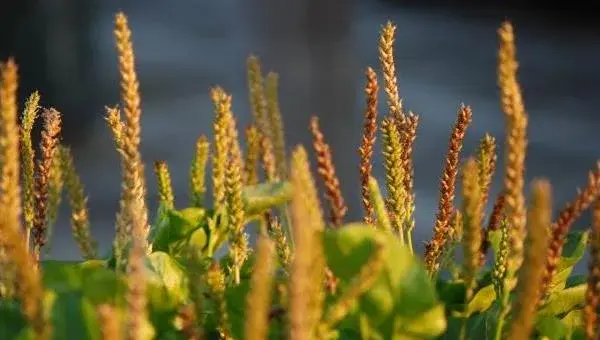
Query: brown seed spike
point(592, 294)
point(326, 169)
point(409, 134)
point(367, 142)
point(493, 223)
point(434, 248)
point(565, 220)
point(49, 142)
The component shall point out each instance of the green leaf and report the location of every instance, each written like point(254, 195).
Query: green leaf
point(61, 275)
point(73, 317)
point(261, 197)
point(12, 321)
point(403, 299)
point(573, 252)
point(177, 230)
point(428, 324)
point(167, 290)
point(104, 286)
point(168, 282)
point(235, 297)
point(482, 300)
point(551, 327)
point(452, 293)
point(69, 275)
point(92, 278)
point(564, 301)
point(573, 320)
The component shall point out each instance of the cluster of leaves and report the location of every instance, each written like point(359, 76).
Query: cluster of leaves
point(307, 278)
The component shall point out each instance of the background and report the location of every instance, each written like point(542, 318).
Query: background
point(446, 54)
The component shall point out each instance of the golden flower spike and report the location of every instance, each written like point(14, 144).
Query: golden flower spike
point(275, 118)
point(516, 145)
point(80, 224)
point(531, 274)
point(307, 271)
point(386, 57)
point(30, 114)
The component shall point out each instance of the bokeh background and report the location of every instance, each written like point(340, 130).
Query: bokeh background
point(446, 55)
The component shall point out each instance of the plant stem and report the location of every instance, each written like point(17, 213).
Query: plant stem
point(502, 317)
point(468, 297)
point(236, 275)
point(409, 241)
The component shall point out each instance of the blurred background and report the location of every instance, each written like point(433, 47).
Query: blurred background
point(445, 53)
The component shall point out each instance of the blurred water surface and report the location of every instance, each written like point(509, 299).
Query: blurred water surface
point(321, 49)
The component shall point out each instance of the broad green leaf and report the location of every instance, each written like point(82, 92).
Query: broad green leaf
point(573, 252)
point(173, 233)
point(452, 293)
point(235, 297)
point(104, 286)
point(261, 197)
point(73, 317)
point(427, 324)
point(347, 249)
point(167, 290)
point(479, 326)
point(92, 278)
point(482, 300)
point(564, 301)
point(551, 327)
point(61, 275)
point(573, 320)
point(12, 321)
point(168, 283)
point(578, 334)
point(68, 275)
point(403, 292)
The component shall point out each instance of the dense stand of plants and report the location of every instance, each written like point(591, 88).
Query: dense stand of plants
point(311, 275)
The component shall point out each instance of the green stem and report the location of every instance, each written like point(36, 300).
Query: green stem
point(401, 231)
point(502, 317)
point(409, 241)
point(468, 297)
point(236, 275)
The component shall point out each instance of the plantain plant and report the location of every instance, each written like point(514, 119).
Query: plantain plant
point(311, 274)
